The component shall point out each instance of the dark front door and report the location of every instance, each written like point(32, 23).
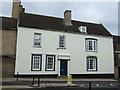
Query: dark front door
point(63, 67)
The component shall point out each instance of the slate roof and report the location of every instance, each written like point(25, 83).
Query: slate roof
point(8, 23)
point(116, 39)
point(57, 24)
point(117, 42)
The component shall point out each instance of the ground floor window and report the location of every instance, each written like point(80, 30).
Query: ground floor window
point(50, 62)
point(91, 63)
point(36, 62)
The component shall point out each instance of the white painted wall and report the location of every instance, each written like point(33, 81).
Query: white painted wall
point(75, 47)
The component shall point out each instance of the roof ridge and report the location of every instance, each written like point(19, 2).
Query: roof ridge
point(86, 22)
point(43, 15)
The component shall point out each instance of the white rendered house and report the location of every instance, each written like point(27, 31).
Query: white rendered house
point(60, 47)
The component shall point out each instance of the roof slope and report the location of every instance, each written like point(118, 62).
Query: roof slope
point(8, 23)
point(116, 39)
point(57, 24)
point(117, 42)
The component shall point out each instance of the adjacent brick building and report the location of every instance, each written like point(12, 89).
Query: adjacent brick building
point(8, 30)
point(117, 56)
point(8, 33)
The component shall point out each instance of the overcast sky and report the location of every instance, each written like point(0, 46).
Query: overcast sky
point(95, 12)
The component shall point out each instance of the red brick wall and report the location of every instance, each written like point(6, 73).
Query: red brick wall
point(117, 52)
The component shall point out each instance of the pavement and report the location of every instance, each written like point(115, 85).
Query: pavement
point(26, 83)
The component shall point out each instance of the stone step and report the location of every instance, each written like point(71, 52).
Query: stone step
point(62, 77)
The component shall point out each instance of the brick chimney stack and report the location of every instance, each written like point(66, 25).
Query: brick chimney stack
point(67, 18)
point(17, 9)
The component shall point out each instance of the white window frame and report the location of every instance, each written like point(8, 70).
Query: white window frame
point(83, 29)
point(62, 42)
point(94, 64)
point(91, 44)
point(53, 62)
point(39, 62)
point(39, 38)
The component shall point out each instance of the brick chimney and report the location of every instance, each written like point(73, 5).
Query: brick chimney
point(67, 18)
point(17, 9)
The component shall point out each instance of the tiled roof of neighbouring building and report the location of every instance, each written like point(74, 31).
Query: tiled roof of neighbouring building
point(8, 23)
point(116, 39)
point(116, 43)
point(57, 24)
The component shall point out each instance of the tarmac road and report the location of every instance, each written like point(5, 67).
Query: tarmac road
point(83, 85)
point(97, 84)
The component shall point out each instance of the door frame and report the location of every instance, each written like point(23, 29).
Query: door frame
point(59, 61)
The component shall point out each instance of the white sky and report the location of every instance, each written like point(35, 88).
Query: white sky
point(88, 11)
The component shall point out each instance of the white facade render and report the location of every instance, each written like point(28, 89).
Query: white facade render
point(74, 53)
point(46, 51)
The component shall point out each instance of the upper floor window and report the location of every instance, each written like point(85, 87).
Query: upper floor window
point(91, 44)
point(37, 39)
point(83, 29)
point(62, 41)
point(50, 62)
point(91, 64)
point(36, 62)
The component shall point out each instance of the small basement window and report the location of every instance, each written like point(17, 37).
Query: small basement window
point(83, 29)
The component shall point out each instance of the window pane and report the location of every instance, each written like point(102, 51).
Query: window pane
point(36, 62)
point(62, 41)
point(95, 44)
point(50, 63)
point(91, 45)
point(37, 39)
point(91, 64)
